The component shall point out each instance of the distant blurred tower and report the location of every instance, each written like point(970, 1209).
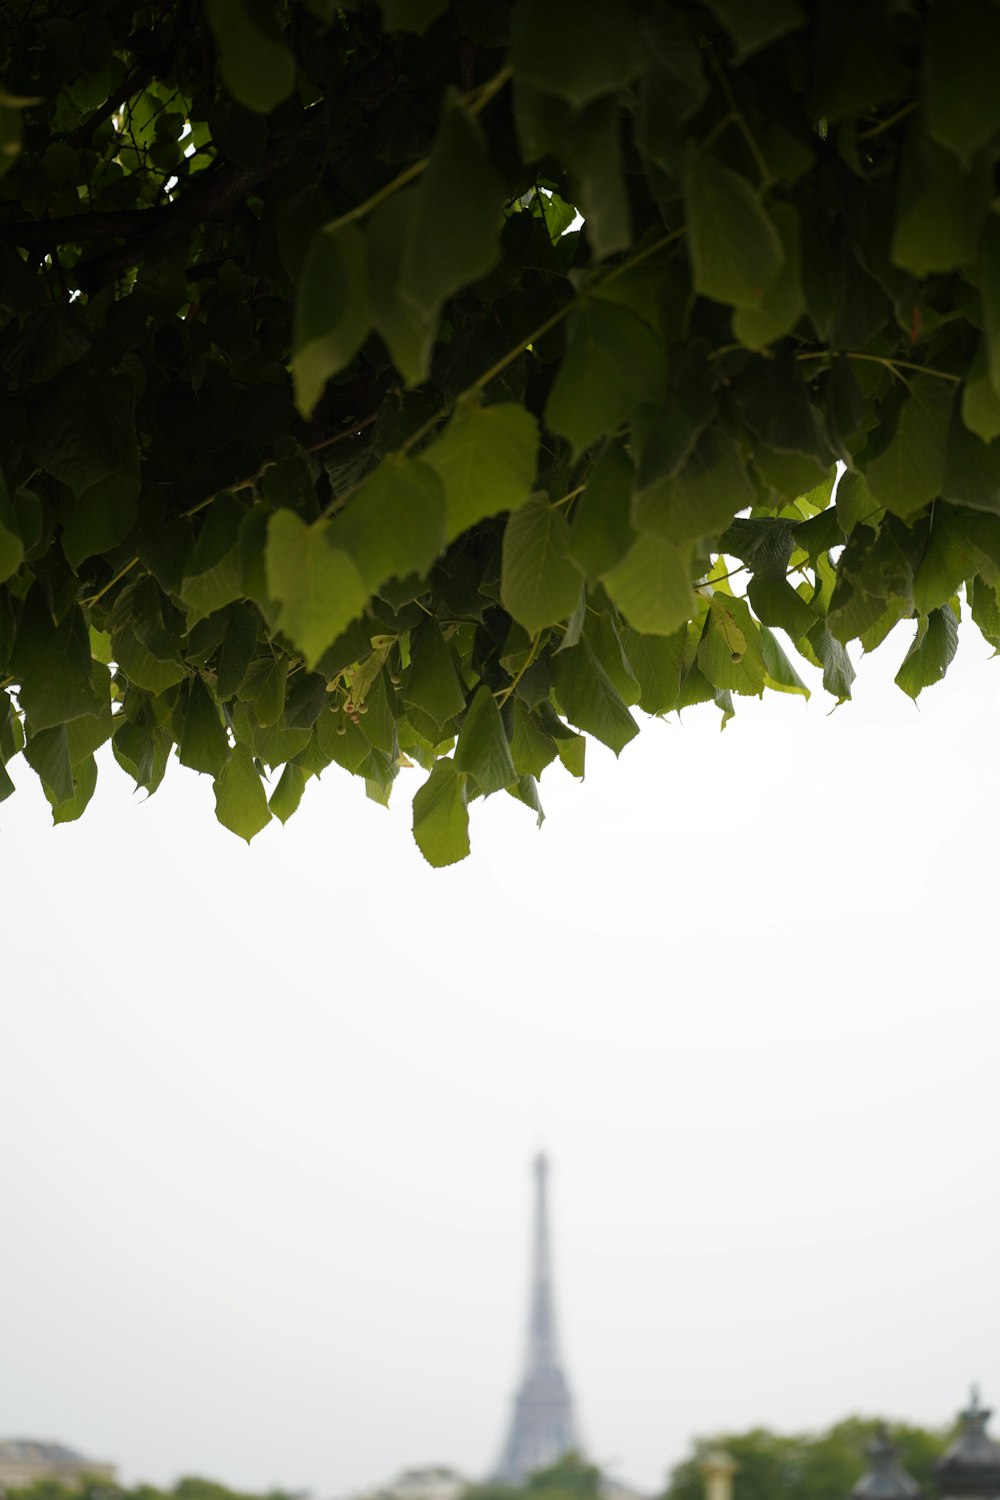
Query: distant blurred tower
point(970, 1468)
point(717, 1469)
point(885, 1480)
point(542, 1427)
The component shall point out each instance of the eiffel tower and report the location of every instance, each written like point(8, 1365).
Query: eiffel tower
point(542, 1427)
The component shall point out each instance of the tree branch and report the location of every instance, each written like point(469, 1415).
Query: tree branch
point(212, 196)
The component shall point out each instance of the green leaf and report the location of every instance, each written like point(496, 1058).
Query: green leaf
point(988, 281)
point(703, 498)
point(589, 699)
point(70, 808)
point(754, 24)
point(52, 664)
point(47, 753)
point(910, 472)
point(84, 431)
point(573, 754)
point(929, 656)
point(985, 608)
point(332, 314)
point(11, 730)
point(7, 787)
point(980, 401)
point(972, 470)
point(525, 790)
point(939, 226)
point(213, 574)
point(775, 602)
point(950, 559)
point(90, 731)
point(783, 303)
point(441, 816)
point(961, 45)
point(602, 634)
point(729, 653)
point(593, 154)
point(613, 363)
point(855, 506)
point(411, 15)
point(264, 686)
point(11, 546)
point(485, 459)
point(652, 585)
point(601, 532)
point(407, 331)
point(204, 745)
point(287, 795)
point(774, 403)
point(657, 662)
point(539, 585)
point(256, 66)
point(736, 251)
point(395, 525)
point(781, 675)
point(240, 802)
point(576, 49)
point(461, 189)
point(838, 672)
point(236, 652)
point(318, 587)
point(10, 127)
point(482, 750)
point(155, 674)
point(530, 747)
point(432, 684)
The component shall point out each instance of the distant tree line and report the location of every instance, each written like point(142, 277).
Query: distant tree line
point(188, 1488)
point(770, 1466)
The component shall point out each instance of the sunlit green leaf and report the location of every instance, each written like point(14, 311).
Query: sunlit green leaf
point(441, 817)
point(317, 586)
point(240, 801)
point(539, 585)
point(485, 459)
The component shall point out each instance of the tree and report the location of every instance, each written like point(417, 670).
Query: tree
point(569, 1478)
point(188, 1488)
point(825, 1466)
point(328, 433)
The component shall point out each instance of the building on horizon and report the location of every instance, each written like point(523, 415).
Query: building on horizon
point(425, 1482)
point(25, 1460)
point(542, 1427)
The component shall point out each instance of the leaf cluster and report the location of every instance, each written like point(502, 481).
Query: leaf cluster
point(434, 385)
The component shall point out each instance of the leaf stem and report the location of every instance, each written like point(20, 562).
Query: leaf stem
point(883, 359)
point(737, 118)
point(505, 693)
point(87, 603)
point(476, 101)
point(565, 499)
point(564, 312)
point(888, 123)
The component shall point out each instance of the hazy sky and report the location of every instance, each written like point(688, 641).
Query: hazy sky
point(266, 1115)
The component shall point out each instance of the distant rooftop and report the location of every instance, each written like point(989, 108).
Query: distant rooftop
point(35, 1450)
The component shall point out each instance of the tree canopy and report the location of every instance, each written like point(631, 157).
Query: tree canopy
point(425, 387)
point(808, 1466)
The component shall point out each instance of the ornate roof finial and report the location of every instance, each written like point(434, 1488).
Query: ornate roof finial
point(885, 1479)
point(970, 1468)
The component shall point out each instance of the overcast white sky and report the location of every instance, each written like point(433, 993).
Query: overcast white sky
point(266, 1115)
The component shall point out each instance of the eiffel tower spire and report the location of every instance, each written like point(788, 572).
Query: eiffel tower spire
point(542, 1427)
